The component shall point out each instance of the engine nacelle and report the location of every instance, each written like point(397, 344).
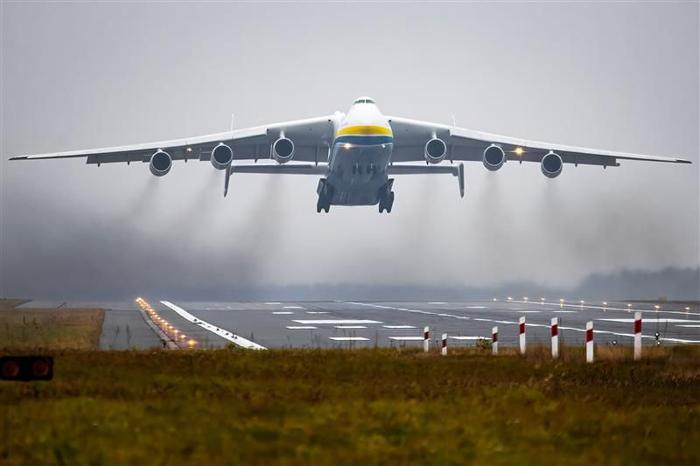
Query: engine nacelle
point(221, 156)
point(283, 150)
point(435, 150)
point(161, 163)
point(552, 165)
point(494, 157)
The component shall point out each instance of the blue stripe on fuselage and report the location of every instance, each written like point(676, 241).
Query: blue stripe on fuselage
point(364, 140)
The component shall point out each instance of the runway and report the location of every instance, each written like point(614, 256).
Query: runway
point(355, 324)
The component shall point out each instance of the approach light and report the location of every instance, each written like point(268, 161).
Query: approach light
point(510, 298)
point(605, 303)
point(561, 300)
point(525, 298)
point(657, 307)
point(687, 308)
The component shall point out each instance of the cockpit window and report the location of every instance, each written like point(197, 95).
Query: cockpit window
point(364, 100)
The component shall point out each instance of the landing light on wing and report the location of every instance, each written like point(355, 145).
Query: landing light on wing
point(347, 145)
point(519, 151)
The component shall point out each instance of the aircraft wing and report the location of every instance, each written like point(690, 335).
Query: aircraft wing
point(311, 140)
point(410, 137)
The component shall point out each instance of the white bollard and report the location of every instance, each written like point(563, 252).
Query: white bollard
point(444, 344)
point(637, 336)
point(555, 337)
point(589, 341)
point(521, 327)
point(426, 339)
point(494, 340)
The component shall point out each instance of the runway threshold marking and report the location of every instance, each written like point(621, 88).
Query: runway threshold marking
point(407, 338)
point(225, 334)
point(336, 322)
point(529, 324)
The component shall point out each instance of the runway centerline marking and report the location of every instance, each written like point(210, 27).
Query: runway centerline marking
point(279, 313)
point(350, 326)
point(301, 327)
point(406, 338)
point(225, 334)
point(398, 326)
point(349, 338)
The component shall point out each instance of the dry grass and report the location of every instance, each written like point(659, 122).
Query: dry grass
point(50, 328)
point(374, 407)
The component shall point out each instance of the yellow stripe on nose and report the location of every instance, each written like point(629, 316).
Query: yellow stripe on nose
point(365, 130)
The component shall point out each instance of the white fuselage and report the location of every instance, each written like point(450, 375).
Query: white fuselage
point(360, 155)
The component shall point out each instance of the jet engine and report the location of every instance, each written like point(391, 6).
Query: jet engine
point(494, 157)
point(435, 150)
point(161, 163)
point(221, 156)
point(552, 165)
point(283, 150)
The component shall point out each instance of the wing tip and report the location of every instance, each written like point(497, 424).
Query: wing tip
point(20, 157)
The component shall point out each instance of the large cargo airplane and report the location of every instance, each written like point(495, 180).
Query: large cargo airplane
point(355, 154)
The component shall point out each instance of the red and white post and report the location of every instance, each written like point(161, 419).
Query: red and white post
point(589, 341)
point(637, 336)
point(521, 327)
point(444, 344)
point(555, 337)
point(494, 340)
point(426, 339)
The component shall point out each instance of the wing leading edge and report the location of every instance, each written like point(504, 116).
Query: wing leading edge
point(464, 144)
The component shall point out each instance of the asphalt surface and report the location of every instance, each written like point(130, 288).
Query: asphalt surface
point(348, 324)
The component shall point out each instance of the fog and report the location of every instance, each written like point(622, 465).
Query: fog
point(621, 76)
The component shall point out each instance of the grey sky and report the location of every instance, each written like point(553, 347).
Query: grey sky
point(618, 76)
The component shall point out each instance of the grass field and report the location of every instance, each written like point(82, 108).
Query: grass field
point(335, 407)
point(49, 328)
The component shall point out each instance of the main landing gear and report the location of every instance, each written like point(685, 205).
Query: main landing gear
point(386, 197)
point(325, 196)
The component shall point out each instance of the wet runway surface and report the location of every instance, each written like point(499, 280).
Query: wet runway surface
point(351, 324)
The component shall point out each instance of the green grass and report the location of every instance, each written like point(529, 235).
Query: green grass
point(334, 407)
point(50, 328)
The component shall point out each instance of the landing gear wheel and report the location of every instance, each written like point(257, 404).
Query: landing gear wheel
point(386, 202)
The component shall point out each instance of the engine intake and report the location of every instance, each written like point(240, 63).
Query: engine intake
point(221, 156)
point(435, 150)
point(552, 165)
point(494, 157)
point(283, 150)
point(161, 163)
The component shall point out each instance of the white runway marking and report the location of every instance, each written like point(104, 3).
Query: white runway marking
point(457, 337)
point(350, 326)
point(436, 302)
point(406, 338)
point(337, 322)
point(676, 340)
point(273, 303)
point(282, 313)
point(565, 312)
point(477, 307)
point(398, 326)
point(604, 308)
point(292, 307)
point(301, 327)
point(317, 312)
point(689, 326)
point(653, 321)
point(349, 338)
point(238, 340)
